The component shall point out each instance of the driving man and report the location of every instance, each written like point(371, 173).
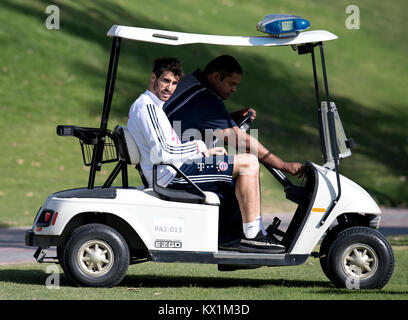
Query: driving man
point(197, 107)
point(210, 169)
point(198, 103)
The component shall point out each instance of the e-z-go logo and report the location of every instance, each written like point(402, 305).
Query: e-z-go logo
point(171, 244)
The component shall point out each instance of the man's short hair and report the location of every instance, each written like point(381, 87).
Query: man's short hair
point(167, 64)
point(225, 65)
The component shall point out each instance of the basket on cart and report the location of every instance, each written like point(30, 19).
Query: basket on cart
point(109, 151)
point(89, 138)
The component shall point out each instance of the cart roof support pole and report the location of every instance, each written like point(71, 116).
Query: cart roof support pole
point(110, 86)
point(333, 141)
point(319, 119)
point(110, 81)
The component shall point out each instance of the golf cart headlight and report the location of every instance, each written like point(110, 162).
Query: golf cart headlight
point(282, 25)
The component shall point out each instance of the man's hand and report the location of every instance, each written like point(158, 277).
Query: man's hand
point(246, 111)
point(217, 151)
point(240, 114)
point(294, 168)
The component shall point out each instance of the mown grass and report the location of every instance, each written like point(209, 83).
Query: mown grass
point(180, 281)
point(51, 77)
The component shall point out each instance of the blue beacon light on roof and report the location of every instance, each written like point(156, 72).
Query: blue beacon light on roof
point(282, 25)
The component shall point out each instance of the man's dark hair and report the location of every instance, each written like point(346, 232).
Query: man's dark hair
point(225, 65)
point(167, 64)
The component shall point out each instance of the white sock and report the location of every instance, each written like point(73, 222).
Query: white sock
point(251, 229)
point(261, 226)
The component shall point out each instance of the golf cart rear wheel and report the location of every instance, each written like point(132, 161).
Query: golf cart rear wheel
point(96, 255)
point(360, 258)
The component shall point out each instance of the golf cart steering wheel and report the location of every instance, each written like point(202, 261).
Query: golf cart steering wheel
point(246, 121)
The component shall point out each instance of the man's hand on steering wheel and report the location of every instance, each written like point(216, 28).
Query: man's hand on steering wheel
point(294, 168)
point(240, 114)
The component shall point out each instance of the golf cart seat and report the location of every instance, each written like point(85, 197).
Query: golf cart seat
point(129, 153)
point(126, 146)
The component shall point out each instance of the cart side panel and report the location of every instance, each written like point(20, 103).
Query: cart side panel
point(160, 224)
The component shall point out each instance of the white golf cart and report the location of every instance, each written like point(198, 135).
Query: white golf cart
point(99, 231)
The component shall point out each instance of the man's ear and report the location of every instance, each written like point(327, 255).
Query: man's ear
point(217, 76)
point(214, 77)
point(152, 80)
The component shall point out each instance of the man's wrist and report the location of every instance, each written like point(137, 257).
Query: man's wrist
point(201, 147)
point(264, 157)
point(271, 160)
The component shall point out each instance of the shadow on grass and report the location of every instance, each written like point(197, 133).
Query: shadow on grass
point(38, 277)
point(31, 277)
point(348, 291)
point(23, 276)
point(148, 281)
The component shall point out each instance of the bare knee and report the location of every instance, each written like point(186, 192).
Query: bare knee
point(251, 161)
point(246, 164)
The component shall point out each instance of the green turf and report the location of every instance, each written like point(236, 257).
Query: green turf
point(180, 281)
point(51, 77)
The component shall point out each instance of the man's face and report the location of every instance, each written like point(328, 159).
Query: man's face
point(226, 86)
point(164, 86)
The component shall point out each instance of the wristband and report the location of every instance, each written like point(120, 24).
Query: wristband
point(265, 156)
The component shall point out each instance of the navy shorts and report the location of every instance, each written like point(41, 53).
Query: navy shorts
point(209, 174)
point(214, 174)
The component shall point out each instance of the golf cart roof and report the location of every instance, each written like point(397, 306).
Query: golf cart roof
point(180, 38)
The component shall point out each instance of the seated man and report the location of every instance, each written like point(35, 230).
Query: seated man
point(211, 169)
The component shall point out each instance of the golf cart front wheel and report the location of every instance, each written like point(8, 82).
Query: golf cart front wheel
point(360, 258)
point(96, 255)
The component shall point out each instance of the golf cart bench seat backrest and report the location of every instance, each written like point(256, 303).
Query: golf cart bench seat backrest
point(127, 147)
point(129, 153)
